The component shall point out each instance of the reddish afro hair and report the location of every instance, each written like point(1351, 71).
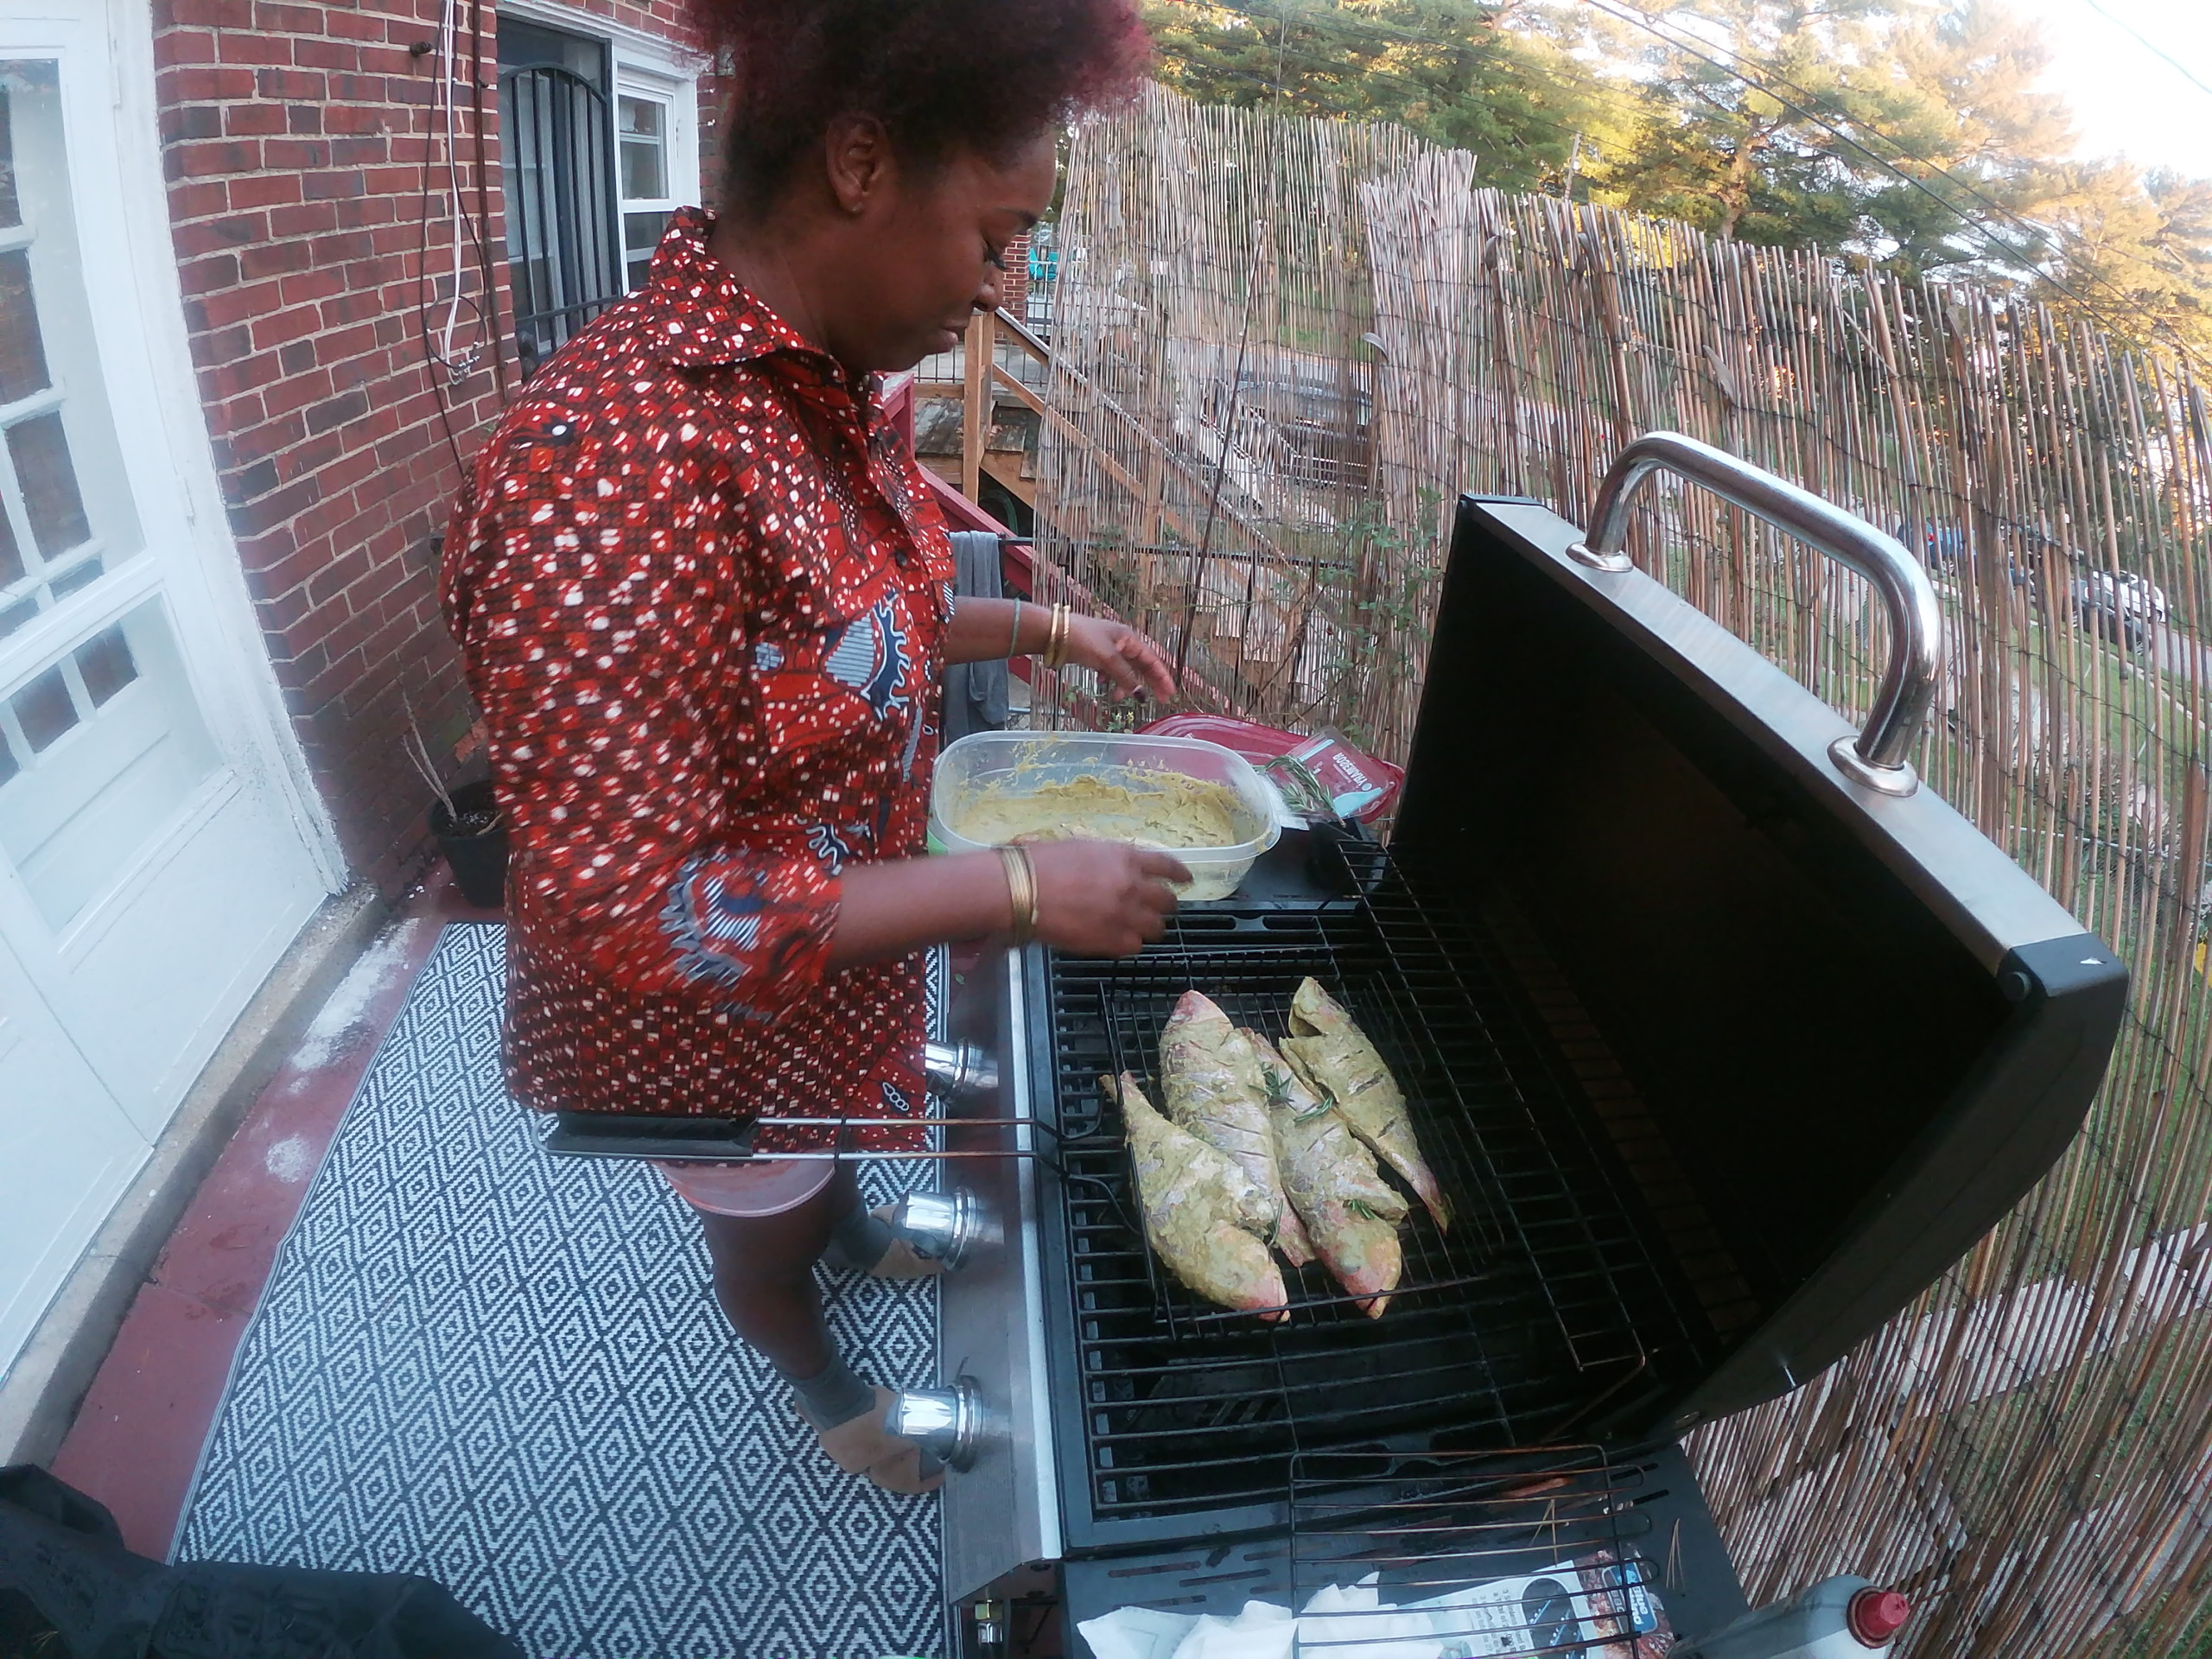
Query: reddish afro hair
point(985, 75)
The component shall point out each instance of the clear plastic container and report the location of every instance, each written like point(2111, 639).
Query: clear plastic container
point(1010, 763)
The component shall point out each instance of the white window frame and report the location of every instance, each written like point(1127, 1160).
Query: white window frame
point(679, 144)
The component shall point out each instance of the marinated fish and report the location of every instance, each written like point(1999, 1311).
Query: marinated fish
point(1212, 1079)
point(1340, 1064)
point(1203, 1214)
point(1351, 1213)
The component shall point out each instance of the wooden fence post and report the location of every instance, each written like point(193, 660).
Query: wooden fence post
point(975, 401)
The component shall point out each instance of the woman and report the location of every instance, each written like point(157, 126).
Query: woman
point(704, 599)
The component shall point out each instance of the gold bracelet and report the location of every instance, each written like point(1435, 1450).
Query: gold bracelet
point(1021, 889)
point(1056, 642)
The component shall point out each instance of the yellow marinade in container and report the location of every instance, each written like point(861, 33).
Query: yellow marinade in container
point(1202, 802)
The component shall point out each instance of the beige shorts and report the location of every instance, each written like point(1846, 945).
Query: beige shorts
point(756, 1187)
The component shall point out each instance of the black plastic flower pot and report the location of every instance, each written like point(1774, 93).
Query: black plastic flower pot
point(473, 837)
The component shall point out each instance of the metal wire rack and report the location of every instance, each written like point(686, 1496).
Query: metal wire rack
point(1542, 1306)
point(1512, 1553)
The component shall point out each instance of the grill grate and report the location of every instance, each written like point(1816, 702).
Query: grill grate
point(1540, 1309)
point(1531, 1552)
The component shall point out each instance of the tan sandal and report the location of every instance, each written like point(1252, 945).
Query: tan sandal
point(864, 1445)
point(900, 1259)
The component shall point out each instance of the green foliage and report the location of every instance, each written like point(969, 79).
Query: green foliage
point(1479, 76)
point(1907, 134)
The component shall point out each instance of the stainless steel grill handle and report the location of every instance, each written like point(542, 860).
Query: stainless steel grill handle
point(1876, 757)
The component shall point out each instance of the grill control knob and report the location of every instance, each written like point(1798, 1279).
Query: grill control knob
point(944, 1226)
point(957, 1069)
point(949, 1422)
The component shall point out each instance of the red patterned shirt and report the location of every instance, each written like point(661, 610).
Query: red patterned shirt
point(701, 590)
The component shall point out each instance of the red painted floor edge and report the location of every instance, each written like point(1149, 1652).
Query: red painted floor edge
point(138, 1437)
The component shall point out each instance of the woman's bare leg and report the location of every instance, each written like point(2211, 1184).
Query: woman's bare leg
point(764, 1279)
point(764, 1276)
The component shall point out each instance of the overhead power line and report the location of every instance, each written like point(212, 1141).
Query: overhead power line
point(1805, 105)
point(2151, 46)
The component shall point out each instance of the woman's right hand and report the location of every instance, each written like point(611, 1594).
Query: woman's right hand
point(1101, 898)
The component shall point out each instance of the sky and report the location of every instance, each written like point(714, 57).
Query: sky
point(2125, 100)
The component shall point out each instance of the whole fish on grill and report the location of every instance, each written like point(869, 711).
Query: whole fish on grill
point(1203, 1215)
point(1211, 1080)
point(1351, 1213)
point(1335, 1057)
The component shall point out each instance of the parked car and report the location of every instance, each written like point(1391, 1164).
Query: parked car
point(2108, 607)
point(1946, 548)
point(2143, 595)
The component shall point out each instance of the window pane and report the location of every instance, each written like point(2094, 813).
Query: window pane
point(44, 709)
point(641, 233)
point(11, 561)
point(84, 808)
point(14, 616)
point(11, 208)
point(68, 486)
point(645, 169)
point(104, 661)
point(40, 451)
point(22, 353)
point(644, 179)
point(8, 766)
point(640, 236)
point(83, 574)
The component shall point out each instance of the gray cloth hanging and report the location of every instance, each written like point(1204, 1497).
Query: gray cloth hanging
point(975, 693)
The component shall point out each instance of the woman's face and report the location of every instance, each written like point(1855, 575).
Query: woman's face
point(932, 250)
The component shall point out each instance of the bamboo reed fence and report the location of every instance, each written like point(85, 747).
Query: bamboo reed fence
point(1282, 347)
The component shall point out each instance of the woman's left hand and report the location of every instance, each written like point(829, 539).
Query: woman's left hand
point(1130, 662)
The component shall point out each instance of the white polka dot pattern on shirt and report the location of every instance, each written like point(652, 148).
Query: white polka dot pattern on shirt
point(701, 594)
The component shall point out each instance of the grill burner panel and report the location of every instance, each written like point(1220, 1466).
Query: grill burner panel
point(1540, 1311)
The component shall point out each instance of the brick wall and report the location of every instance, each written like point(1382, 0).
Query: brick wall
point(293, 139)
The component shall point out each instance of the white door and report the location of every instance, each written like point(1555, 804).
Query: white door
point(69, 1152)
point(158, 849)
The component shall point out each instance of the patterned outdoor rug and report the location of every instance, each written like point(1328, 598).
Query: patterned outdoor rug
point(502, 1369)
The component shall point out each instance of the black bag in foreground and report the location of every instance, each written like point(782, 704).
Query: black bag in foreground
point(70, 1589)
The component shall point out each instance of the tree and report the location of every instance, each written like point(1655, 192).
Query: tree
point(1755, 157)
point(1457, 71)
point(2135, 251)
point(1977, 142)
point(1911, 135)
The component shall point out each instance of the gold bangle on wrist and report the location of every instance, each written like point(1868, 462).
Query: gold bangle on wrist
point(1022, 890)
point(1056, 641)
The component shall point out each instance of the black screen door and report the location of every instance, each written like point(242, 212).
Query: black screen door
point(564, 239)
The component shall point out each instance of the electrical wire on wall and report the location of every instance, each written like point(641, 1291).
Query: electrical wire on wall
point(459, 330)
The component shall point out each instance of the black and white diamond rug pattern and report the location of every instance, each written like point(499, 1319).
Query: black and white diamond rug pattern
point(503, 1370)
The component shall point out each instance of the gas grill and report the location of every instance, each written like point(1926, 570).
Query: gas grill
point(1723, 1037)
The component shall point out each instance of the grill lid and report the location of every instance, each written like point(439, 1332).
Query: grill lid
point(1859, 1030)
